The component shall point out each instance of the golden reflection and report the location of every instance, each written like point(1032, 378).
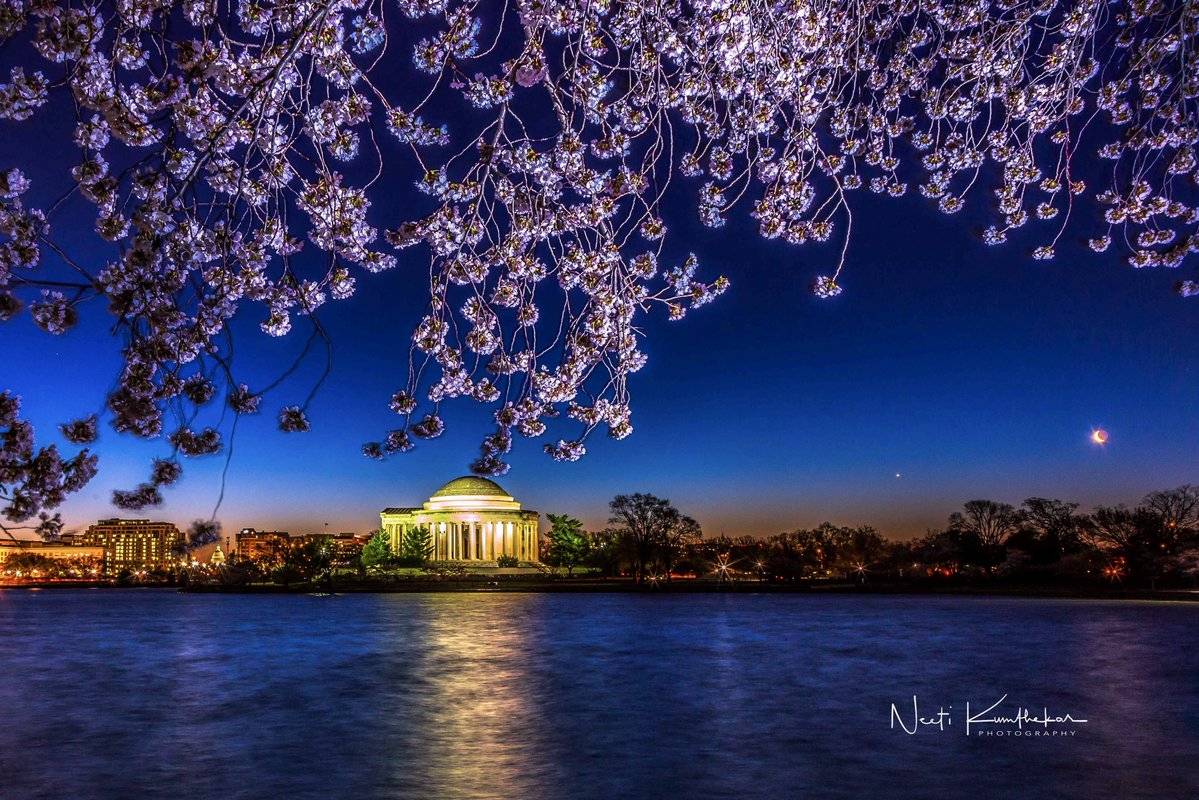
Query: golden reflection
point(481, 714)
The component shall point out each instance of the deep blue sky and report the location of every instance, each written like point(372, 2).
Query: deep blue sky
point(971, 371)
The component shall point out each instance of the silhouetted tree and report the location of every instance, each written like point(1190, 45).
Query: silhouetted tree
point(783, 561)
point(1111, 528)
point(991, 522)
point(949, 550)
point(1047, 539)
point(1054, 521)
point(858, 550)
point(605, 551)
point(1138, 536)
point(1177, 508)
point(643, 522)
point(676, 537)
point(988, 521)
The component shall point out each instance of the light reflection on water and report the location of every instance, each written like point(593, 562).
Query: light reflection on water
point(123, 694)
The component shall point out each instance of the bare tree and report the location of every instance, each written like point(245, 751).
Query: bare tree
point(1050, 517)
point(644, 522)
point(1055, 523)
point(682, 533)
point(1142, 536)
point(1111, 528)
point(990, 521)
point(1177, 508)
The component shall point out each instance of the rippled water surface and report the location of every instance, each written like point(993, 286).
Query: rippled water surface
point(148, 693)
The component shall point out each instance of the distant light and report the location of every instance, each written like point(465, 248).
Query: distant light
point(1099, 436)
point(898, 474)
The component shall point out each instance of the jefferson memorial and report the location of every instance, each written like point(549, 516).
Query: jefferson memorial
point(470, 519)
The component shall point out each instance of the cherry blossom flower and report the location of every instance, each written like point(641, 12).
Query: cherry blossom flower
point(235, 156)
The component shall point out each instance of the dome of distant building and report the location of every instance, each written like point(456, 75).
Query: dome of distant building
point(471, 486)
point(469, 519)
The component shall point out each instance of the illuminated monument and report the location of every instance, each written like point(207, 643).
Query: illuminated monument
point(470, 519)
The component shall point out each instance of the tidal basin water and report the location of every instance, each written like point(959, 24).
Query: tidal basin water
point(155, 694)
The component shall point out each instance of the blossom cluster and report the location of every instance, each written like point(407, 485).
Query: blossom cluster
point(228, 147)
point(34, 481)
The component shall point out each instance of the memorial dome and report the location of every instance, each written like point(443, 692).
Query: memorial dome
point(471, 486)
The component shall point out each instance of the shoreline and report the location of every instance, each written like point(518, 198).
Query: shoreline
point(621, 586)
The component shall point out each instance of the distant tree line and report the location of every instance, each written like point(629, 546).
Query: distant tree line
point(648, 538)
point(1153, 544)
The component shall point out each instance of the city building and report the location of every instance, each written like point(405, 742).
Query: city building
point(272, 546)
point(133, 544)
point(349, 545)
point(470, 519)
point(256, 545)
point(217, 559)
